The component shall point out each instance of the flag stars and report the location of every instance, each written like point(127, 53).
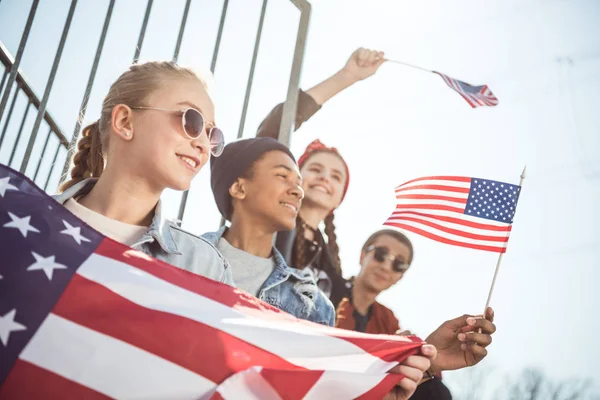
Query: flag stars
point(74, 232)
point(22, 224)
point(5, 185)
point(46, 264)
point(8, 325)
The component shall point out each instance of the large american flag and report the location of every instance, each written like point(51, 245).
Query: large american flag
point(462, 211)
point(82, 316)
point(476, 96)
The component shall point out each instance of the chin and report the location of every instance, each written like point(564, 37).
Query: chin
point(180, 185)
point(286, 224)
point(317, 202)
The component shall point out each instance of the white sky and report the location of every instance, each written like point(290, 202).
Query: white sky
point(400, 124)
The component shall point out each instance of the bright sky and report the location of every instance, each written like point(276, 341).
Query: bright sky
point(540, 57)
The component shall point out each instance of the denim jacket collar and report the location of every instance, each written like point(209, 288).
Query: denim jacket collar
point(282, 270)
point(159, 229)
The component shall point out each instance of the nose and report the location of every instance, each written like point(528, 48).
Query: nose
point(202, 144)
point(297, 192)
point(324, 177)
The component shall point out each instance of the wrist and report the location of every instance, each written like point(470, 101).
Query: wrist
point(346, 77)
point(434, 369)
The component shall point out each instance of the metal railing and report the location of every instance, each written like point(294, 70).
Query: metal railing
point(23, 87)
point(14, 76)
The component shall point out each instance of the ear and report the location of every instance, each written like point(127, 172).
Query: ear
point(362, 258)
point(238, 190)
point(122, 121)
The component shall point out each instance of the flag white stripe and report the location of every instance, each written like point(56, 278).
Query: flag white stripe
point(452, 225)
point(328, 387)
point(151, 292)
point(451, 236)
point(418, 202)
point(108, 365)
point(444, 213)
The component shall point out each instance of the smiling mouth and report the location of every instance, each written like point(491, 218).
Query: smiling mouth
point(290, 206)
point(189, 161)
point(320, 188)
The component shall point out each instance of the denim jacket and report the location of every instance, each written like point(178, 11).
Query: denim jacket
point(291, 290)
point(167, 242)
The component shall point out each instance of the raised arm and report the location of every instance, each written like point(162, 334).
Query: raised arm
point(362, 64)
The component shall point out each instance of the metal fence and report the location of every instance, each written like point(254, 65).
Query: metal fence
point(15, 84)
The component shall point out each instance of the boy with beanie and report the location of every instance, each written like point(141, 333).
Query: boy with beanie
point(257, 187)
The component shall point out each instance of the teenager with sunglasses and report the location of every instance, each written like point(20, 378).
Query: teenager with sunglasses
point(325, 181)
point(155, 131)
point(385, 257)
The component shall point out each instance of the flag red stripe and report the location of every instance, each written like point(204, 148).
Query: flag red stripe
point(471, 103)
point(430, 207)
point(506, 228)
point(435, 187)
point(389, 350)
point(198, 284)
point(180, 340)
point(439, 178)
point(460, 200)
point(293, 385)
point(456, 232)
point(28, 381)
point(444, 240)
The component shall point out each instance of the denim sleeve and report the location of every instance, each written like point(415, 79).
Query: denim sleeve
point(325, 309)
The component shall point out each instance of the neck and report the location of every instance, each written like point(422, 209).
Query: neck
point(122, 197)
point(313, 216)
point(362, 297)
point(250, 236)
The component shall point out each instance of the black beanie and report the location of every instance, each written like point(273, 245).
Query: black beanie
point(237, 157)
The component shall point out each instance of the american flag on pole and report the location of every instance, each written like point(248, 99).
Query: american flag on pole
point(462, 211)
point(82, 316)
point(476, 96)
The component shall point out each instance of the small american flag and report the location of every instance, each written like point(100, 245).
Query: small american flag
point(462, 211)
point(82, 316)
point(476, 96)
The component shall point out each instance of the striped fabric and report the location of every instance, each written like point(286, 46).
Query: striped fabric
point(476, 96)
point(461, 211)
point(82, 316)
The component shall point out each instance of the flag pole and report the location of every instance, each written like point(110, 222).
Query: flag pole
point(487, 304)
point(408, 65)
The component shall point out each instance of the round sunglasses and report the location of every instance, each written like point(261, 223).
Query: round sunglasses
point(194, 124)
point(382, 253)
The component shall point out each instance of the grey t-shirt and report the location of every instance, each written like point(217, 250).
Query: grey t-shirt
point(249, 271)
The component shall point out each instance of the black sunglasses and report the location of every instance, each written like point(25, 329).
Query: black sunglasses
point(382, 253)
point(193, 124)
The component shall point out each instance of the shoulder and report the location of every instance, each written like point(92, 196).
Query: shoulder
point(386, 314)
point(199, 255)
point(383, 310)
point(180, 234)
